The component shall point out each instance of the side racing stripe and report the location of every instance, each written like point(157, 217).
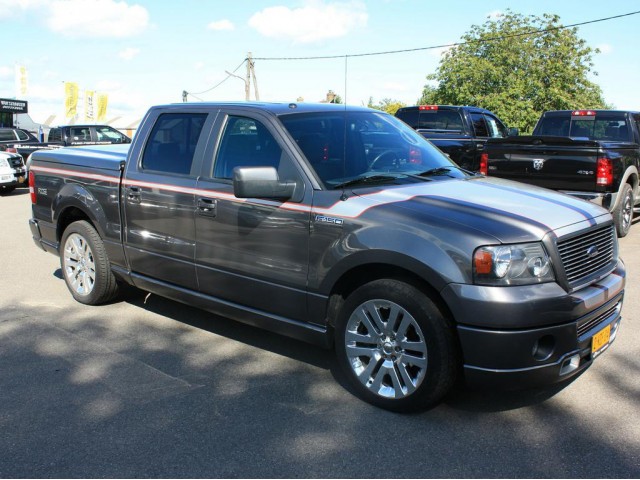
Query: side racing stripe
point(353, 207)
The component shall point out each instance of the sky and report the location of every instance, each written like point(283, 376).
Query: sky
point(147, 52)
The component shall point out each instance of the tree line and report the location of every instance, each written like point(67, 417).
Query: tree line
point(517, 66)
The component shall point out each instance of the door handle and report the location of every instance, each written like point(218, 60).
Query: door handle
point(133, 194)
point(207, 207)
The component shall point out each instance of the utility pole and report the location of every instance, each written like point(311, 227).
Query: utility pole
point(247, 82)
point(252, 68)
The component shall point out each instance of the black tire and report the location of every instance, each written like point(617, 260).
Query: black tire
point(5, 190)
point(410, 360)
point(623, 213)
point(85, 266)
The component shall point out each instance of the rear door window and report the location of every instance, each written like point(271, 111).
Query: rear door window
point(172, 143)
point(22, 135)
point(7, 136)
point(479, 125)
point(80, 134)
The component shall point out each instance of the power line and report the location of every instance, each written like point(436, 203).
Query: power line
point(391, 52)
point(217, 84)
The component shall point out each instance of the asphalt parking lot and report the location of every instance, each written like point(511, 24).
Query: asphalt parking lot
point(153, 388)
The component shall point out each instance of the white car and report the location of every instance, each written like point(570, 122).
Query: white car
point(12, 171)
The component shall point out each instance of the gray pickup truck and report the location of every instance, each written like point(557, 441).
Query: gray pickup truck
point(344, 227)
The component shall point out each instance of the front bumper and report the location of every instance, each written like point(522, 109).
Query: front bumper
point(519, 337)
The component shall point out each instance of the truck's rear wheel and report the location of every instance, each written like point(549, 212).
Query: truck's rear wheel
point(85, 265)
point(396, 346)
point(623, 213)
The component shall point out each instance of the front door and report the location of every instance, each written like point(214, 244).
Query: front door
point(252, 252)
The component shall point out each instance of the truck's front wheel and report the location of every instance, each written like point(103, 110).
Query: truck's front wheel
point(85, 265)
point(396, 346)
point(623, 213)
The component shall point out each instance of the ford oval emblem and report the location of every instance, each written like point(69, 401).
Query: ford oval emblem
point(538, 163)
point(592, 251)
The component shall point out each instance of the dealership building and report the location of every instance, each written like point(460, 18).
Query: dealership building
point(9, 108)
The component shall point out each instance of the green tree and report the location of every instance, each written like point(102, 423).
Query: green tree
point(504, 66)
point(386, 105)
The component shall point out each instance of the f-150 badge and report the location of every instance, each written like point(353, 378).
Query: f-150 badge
point(330, 220)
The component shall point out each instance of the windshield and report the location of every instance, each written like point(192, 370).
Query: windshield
point(343, 147)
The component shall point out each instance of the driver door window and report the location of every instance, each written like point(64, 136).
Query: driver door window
point(245, 143)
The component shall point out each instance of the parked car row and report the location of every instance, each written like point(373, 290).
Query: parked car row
point(17, 145)
point(590, 154)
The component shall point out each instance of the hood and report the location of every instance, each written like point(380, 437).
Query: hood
point(508, 211)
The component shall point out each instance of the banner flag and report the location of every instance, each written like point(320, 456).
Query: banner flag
point(70, 99)
point(22, 81)
point(102, 101)
point(89, 106)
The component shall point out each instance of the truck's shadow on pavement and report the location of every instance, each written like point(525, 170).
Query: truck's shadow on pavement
point(460, 398)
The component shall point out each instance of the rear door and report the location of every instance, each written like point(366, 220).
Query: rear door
point(159, 197)
point(252, 252)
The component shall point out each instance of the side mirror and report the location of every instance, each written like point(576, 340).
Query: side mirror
point(513, 132)
point(261, 182)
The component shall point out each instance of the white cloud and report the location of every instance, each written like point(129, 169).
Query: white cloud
point(129, 53)
point(313, 22)
point(13, 8)
point(221, 25)
point(199, 65)
point(605, 48)
point(97, 18)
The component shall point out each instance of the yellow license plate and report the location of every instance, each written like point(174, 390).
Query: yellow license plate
point(600, 339)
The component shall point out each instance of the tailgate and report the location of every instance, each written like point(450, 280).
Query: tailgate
point(558, 163)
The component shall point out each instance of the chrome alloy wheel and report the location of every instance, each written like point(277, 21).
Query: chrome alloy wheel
point(79, 265)
point(627, 210)
point(386, 349)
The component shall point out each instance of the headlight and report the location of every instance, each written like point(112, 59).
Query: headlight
point(520, 264)
point(4, 163)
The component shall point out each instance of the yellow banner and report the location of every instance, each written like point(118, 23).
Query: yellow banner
point(70, 99)
point(89, 106)
point(102, 101)
point(22, 80)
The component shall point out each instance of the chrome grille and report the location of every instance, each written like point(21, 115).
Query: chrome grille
point(585, 326)
point(588, 253)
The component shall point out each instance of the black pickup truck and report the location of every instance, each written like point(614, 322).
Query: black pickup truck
point(344, 227)
point(459, 131)
point(591, 154)
point(25, 143)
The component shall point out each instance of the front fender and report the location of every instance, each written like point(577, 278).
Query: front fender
point(426, 255)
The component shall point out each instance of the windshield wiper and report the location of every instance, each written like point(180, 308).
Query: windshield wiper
point(444, 171)
point(367, 179)
point(435, 171)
